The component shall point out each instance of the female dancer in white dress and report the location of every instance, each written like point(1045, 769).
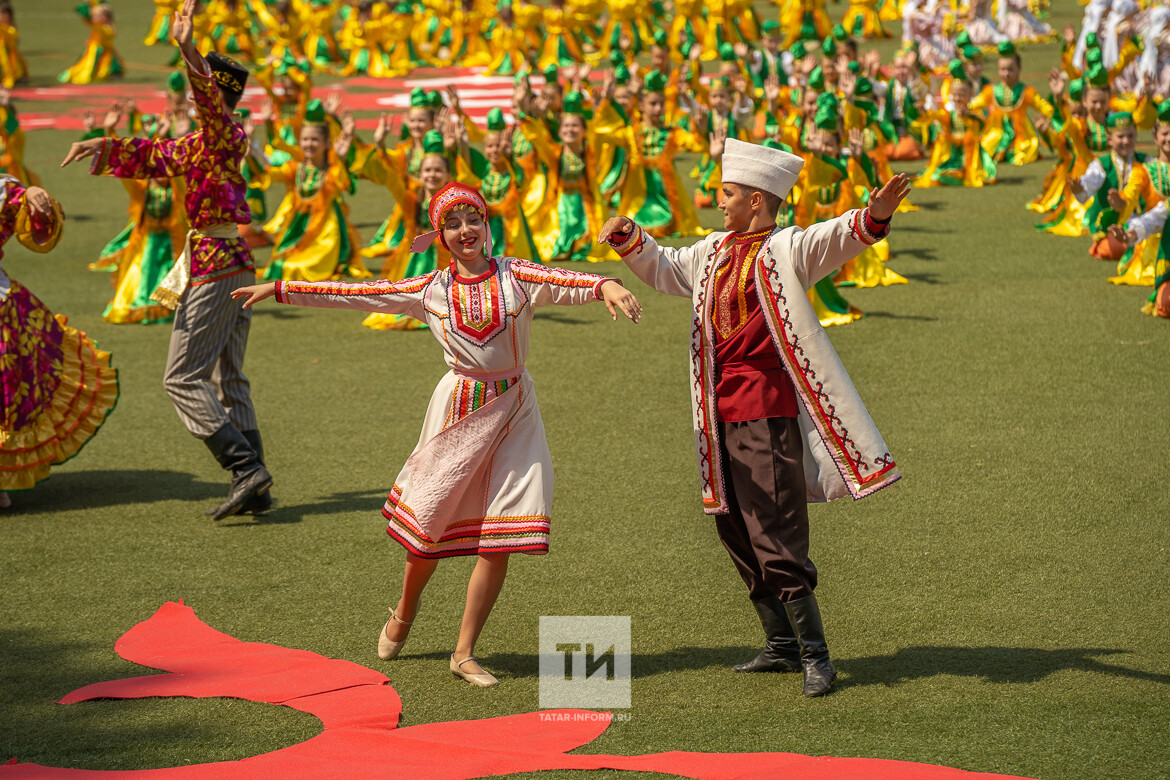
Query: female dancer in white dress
point(480, 480)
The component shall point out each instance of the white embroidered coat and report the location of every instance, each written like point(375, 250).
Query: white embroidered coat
point(844, 453)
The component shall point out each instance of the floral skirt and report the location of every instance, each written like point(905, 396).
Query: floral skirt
point(56, 388)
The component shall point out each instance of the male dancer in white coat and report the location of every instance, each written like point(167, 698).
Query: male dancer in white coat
point(777, 421)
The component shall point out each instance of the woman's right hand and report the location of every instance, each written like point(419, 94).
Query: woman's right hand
point(255, 293)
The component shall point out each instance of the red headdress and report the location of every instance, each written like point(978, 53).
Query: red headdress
point(451, 195)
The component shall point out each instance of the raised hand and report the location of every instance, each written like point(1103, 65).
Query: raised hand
point(332, 103)
point(1056, 82)
point(772, 90)
point(255, 293)
point(856, 142)
point(453, 99)
point(884, 202)
point(622, 225)
point(699, 116)
point(872, 62)
point(183, 27)
point(718, 141)
point(1070, 35)
point(847, 83)
point(1042, 123)
point(112, 117)
point(88, 120)
point(5, 97)
point(618, 297)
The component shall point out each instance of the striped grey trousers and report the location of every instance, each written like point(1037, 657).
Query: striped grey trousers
point(204, 377)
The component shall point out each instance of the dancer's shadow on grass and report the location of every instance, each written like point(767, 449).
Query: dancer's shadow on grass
point(69, 490)
point(889, 315)
point(924, 278)
point(527, 665)
point(918, 253)
point(345, 501)
point(278, 312)
point(992, 664)
point(558, 316)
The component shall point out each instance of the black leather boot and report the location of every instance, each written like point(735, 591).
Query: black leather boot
point(781, 651)
point(249, 477)
point(263, 502)
point(805, 617)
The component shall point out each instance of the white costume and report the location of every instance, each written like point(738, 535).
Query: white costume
point(844, 452)
point(480, 479)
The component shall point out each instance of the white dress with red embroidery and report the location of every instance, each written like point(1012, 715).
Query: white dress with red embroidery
point(480, 478)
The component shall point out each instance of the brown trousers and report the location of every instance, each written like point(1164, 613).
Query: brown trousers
point(766, 529)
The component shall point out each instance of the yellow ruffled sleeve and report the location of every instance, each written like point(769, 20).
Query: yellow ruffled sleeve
point(24, 228)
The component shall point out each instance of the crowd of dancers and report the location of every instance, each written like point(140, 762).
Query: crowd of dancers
point(607, 96)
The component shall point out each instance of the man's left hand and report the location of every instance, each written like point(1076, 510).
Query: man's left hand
point(884, 202)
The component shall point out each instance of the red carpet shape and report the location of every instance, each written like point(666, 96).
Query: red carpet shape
point(360, 710)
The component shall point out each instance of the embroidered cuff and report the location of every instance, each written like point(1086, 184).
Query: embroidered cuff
point(203, 72)
point(281, 293)
point(98, 161)
point(626, 244)
point(867, 229)
point(597, 286)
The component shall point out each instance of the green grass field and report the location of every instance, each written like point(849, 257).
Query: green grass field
point(1004, 608)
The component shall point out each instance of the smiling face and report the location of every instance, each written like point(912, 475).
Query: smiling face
point(493, 148)
point(737, 207)
point(1122, 141)
point(808, 103)
point(465, 232)
point(419, 121)
point(1162, 139)
point(433, 173)
point(572, 129)
point(1097, 103)
point(314, 142)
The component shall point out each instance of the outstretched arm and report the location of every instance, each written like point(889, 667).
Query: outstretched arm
point(826, 246)
point(548, 285)
point(667, 270)
point(400, 297)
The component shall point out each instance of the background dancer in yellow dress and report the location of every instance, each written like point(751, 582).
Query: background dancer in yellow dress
point(99, 61)
point(311, 234)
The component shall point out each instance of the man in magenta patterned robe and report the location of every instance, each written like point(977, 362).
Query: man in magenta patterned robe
point(204, 376)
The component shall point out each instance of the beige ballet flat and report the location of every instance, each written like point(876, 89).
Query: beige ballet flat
point(484, 680)
point(388, 649)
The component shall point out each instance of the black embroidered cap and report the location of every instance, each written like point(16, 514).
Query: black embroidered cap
point(228, 74)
